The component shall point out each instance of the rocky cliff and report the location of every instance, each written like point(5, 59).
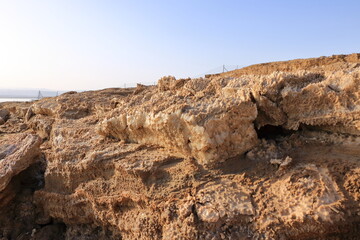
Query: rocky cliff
point(271, 151)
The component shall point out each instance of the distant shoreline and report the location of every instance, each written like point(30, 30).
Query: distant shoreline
point(31, 94)
point(7, 96)
point(16, 99)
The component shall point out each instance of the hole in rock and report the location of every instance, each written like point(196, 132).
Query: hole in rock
point(273, 132)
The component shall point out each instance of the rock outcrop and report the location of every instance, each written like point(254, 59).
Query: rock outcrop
point(210, 125)
point(16, 155)
point(271, 151)
point(4, 115)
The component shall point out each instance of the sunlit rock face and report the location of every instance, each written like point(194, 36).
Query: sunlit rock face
point(17, 153)
point(199, 119)
point(270, 151)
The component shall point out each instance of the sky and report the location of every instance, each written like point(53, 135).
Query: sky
point(87, 44)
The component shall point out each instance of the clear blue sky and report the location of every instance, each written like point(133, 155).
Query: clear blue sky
point(84, 44)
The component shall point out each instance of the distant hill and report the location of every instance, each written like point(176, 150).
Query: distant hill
point(332, 63)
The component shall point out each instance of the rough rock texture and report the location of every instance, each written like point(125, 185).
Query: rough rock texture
point(271, 151)
point(4, 115)
point(16, 155)
point(207, 124)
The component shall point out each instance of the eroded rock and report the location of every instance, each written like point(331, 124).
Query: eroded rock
point(4, 116)
point(17, 153)
point(270, 151)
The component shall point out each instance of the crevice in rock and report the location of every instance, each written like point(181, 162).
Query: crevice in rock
point(273, 132)
point(53, 230)
point(22, 187)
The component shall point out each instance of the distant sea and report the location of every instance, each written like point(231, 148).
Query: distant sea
point(15, 99)
point(24, 95)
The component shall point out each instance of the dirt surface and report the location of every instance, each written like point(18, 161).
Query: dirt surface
point(271, 151)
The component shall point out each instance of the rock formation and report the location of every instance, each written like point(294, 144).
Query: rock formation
point(270, 151)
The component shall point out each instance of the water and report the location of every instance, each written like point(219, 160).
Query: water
point(15, 99)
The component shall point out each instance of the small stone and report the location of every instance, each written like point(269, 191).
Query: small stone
point(282, 163)
point(286, 162)
point(275, 161)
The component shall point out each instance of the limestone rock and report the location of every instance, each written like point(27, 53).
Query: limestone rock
point(270, 151)
point(4, 116)
point(210, 129)
point(225, 199)
point(17, 154)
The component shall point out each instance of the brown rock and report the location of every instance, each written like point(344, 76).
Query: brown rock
point(16, 154)
point(270, 151)
point(4, 116)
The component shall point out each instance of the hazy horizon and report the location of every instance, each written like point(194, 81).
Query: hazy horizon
point(28, 93)
point(89, 45)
